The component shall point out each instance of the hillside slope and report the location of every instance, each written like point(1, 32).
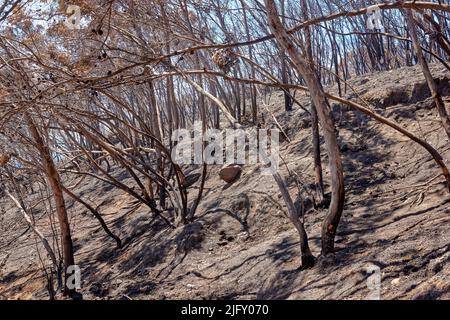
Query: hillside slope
point(396, 216)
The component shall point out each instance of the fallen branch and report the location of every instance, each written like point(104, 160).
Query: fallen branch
point(34, 229)
point(96, 214)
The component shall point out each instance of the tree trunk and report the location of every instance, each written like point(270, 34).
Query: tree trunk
point(319, 192)
point(306, 255)
point(55, 184)
point(303, 66)
point(284, 67)
point(285, 79)
point(427, 73)
point(254, 106)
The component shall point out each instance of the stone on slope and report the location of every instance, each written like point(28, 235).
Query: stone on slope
point(230, 173)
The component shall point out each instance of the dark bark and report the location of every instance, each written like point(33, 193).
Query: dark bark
point(55, 184)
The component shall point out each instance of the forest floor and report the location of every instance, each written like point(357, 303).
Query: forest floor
point(396, 217)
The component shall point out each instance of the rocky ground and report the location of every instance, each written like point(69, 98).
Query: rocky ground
point(242, 246)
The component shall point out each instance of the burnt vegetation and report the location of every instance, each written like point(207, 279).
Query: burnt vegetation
point(89, 108)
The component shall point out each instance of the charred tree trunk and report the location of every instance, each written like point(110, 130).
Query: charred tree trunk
point(303, 66)
point(55, 184)
point(440, 106)
point(254, 106)
point(306, 255)
point(319, 192)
